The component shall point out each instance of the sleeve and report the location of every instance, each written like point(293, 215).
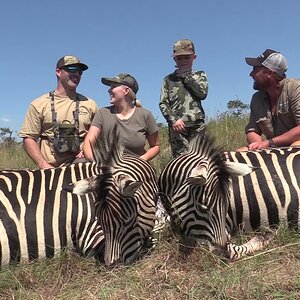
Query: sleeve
point(252, 125)
point(164, 103)
point(151, 123)
point(32, 125)
point(196, 84)
point(98, 119)
point(295, 101)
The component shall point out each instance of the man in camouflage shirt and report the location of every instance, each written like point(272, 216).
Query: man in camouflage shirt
point(180, 99)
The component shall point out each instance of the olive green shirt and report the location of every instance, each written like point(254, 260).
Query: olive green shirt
point(38, 122)
point(133, 131)
point(286, 116)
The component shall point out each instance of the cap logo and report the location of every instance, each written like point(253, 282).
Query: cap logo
point(69, 59)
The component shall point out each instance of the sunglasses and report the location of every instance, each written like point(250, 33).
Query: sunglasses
point(72, 69)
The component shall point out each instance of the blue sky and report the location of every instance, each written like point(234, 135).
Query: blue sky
point(137, 37)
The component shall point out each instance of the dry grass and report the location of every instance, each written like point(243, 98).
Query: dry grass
point(163, 274)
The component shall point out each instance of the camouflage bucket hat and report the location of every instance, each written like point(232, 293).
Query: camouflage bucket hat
point(70, 60)
point(124, 79)
point(183, 47)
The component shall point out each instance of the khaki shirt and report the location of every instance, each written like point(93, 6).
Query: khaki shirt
point(38, 122)
point(286, 116)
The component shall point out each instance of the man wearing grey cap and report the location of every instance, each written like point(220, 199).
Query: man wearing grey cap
point(275, 107)
point(57, 122)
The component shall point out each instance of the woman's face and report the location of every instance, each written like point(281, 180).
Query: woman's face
point(117, 93)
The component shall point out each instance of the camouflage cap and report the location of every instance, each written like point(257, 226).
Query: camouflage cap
point(124, 79)
point(70, 60)
point(183, 47)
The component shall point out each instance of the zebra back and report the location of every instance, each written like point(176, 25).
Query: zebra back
point(38, 219)
point(270, 195)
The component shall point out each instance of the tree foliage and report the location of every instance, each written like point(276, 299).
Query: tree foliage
point(237, 108)
point(6, 136)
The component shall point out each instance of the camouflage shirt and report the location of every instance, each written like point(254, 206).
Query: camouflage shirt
point(181, 97)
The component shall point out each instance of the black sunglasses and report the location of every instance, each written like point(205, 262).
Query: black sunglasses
point(72, 69)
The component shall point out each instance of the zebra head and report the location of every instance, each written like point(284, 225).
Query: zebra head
point(126, 192)
point(195, 190)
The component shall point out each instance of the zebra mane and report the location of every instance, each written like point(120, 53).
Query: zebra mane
point(206, 144)
point(108, 151)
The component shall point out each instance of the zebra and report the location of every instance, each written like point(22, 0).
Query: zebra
point(104, 208)
point(196, 190)
point(127, 194)
point(269, 196)
point(38, 219)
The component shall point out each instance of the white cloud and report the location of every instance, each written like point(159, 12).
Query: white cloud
point(5, 120)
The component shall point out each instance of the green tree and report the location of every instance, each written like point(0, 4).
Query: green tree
point(237, 108)
point(6, 136)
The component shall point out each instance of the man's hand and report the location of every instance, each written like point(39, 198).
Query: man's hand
point(259, 145)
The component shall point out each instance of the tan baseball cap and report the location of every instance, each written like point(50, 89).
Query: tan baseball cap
point(70, 60)
point(183, 47)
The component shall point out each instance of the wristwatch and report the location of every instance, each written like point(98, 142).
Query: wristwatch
point(271, 143)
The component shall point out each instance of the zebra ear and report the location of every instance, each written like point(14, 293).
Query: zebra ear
point(198, 175)
point(127, 185)
point(239, 169)
point(84, 186)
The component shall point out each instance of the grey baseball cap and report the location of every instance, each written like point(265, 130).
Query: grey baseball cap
point(271, 59)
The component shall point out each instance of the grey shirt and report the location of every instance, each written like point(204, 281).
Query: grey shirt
point(286, 115)
point(133, 131)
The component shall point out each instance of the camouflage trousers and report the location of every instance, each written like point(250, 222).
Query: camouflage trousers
point(179, 141)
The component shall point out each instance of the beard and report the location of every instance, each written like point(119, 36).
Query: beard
point(260, 86)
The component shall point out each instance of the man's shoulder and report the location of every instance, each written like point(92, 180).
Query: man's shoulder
point(292, 82)
point(41, 100)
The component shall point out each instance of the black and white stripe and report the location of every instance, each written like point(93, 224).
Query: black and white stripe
point(195, 190)
point(126, 201)
point(38, 219)
point(271, 195)
point(110, 212)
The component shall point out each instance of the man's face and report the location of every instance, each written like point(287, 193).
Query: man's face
point(261, 76)
point(70, 75)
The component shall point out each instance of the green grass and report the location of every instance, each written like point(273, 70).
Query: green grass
point(165, 273)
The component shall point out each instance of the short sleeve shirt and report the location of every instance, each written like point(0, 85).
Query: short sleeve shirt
point(133, 131)
point(39, 123)
point(286, 116)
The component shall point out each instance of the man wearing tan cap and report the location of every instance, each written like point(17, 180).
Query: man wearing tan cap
point(57, 122)
point(275, 107)
point(180, 99)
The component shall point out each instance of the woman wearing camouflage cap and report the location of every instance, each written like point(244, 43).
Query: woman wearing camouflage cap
point(180, 99)
point(135, 124)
